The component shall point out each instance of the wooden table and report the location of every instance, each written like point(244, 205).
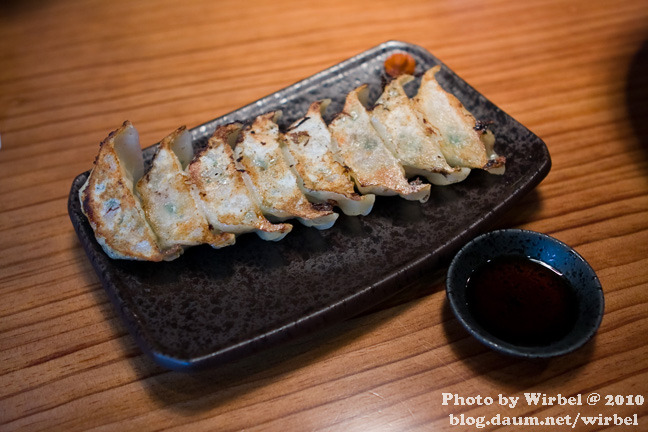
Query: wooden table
point(574, 72)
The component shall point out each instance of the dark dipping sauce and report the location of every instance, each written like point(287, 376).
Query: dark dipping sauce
point(522, 301)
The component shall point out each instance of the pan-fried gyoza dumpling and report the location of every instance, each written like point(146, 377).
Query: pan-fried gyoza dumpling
point(225, 198)
point(109, 202)
point(267, 174)
point(465, 142)
point(415, 144)
point(323, 178)
point(170, 200)
point(373, 167)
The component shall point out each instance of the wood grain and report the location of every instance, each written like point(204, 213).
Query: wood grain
point(575, 73)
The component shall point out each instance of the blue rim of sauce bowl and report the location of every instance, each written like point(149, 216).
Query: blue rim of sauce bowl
point(536, 246)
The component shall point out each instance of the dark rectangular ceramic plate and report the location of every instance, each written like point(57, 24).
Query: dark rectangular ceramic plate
point(213, 306)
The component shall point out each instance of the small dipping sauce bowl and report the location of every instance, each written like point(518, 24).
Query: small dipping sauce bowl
point(525, 294)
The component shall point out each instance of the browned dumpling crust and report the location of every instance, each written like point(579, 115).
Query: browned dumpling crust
point(274, 185)
point(463, 142)
point(224, 197)
point(416, 145)
point(109, 203)
point(323, 177)
point(373, 167)
point(169, 198)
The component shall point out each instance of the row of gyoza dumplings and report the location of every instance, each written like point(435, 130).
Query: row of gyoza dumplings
point(252, 179)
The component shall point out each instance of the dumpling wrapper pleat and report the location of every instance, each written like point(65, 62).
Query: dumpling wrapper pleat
point(170, 200)
point(464, 142)
point(415, 144)
point(323, 178)
point(259, 156)
point(373, 166)
point(110, 205)
point(225, 198)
